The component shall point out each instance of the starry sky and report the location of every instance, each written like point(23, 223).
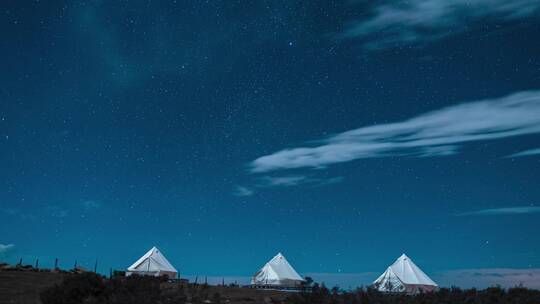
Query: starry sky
point(341, 133)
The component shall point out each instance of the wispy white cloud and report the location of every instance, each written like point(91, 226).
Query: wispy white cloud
point(394, 23)
point(526, 153)
point(330, 181)
point(272, 181)
point(285, 181)
point(483, 278)
point(504, 211)
point(4, 248)
point(295, 180)
point(243, 191)
point(436, 133)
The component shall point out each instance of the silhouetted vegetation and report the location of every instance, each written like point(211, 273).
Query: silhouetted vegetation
point(493, 295)
point(92, 289)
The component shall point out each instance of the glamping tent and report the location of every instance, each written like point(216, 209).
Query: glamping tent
point(277, 273)
point(153, 263)
point(404, 276)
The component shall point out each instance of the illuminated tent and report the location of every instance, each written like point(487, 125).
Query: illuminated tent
point(277, 273)
point(404, 276)
point(153, 263)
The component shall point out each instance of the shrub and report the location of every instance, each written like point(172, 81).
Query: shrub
point(92, 289)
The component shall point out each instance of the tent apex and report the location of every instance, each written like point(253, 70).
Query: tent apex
point(153, 263)
point(277, 272)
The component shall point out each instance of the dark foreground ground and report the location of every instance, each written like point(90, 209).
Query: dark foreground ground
point(25, 287)
point(33, 287)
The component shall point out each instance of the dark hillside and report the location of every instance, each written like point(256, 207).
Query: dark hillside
point(33, 287)
point(24, 286)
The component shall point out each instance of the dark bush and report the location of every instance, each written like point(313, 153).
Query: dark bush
point(92, 289)
point(75, 289)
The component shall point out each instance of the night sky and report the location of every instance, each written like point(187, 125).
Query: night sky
point(341, 133)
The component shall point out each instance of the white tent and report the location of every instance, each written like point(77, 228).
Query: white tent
point(404, 276)
point(153, 263)
point(277, 273)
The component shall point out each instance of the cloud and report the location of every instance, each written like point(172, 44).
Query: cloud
point(91, 205)
point(330, 181)
point(295, 180)
point(482, 278)
point(5, 248)
point(436, 133)
point(393, 23)
point(271, 181)
point(526, 153)
point(243, 191)
point(504, 211)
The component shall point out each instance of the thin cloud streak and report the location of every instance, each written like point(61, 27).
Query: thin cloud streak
point(266, 182)
point(526, 153)
point(295, 180)
point(421, 21)
point(436, 133)
point(6, 247)
point(488, 277)
point(273, 181)
point(503, 211)
point(243, 191)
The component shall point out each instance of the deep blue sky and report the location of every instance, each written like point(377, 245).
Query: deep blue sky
point(128, 124)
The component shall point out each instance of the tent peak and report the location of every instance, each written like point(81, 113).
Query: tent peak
point(154, 263)
point(277, 272)
point(404, 276)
